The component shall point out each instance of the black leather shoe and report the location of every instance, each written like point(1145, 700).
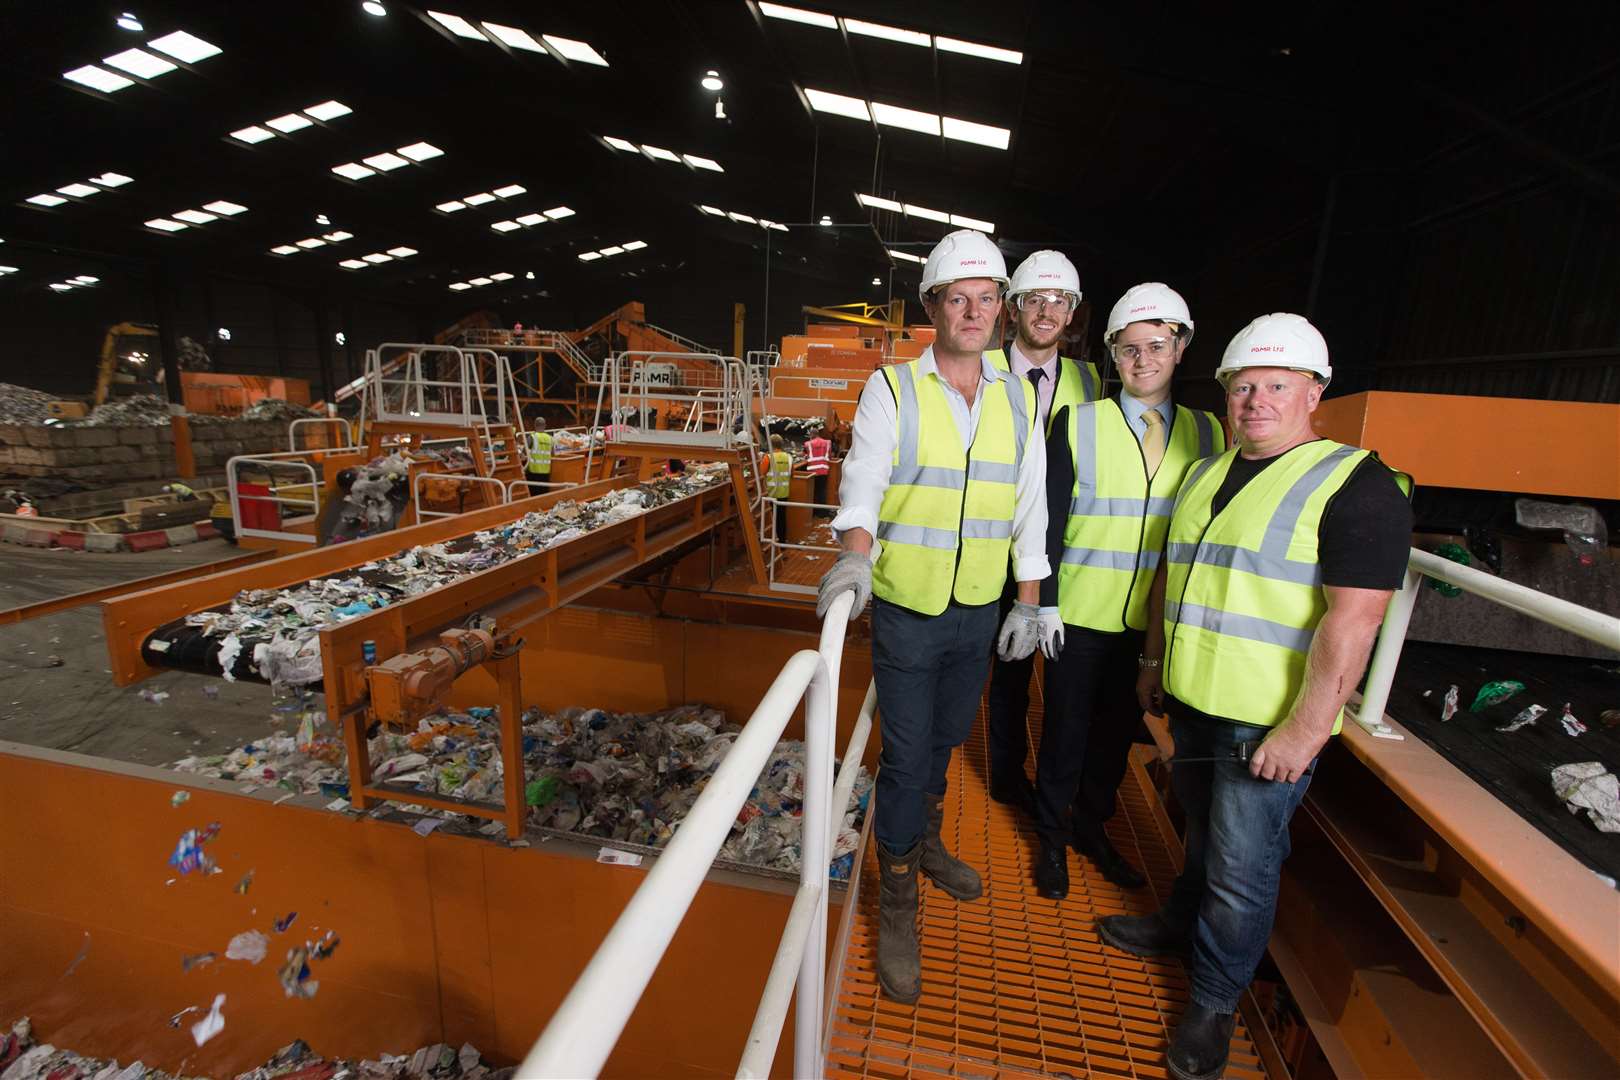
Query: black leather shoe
point(1145, 935)
point(1200, 1044)
point(1015, 790)
point(1095, 845)
point(1052, 872)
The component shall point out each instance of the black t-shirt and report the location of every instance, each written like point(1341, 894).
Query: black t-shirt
point(1365, 536)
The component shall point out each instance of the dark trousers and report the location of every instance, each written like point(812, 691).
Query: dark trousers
point(1007, 730)
point(820, 486)
point(1091, 718)
point(929, 672)
point(1237, 839)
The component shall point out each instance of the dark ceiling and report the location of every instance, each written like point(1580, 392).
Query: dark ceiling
point(1141, 134)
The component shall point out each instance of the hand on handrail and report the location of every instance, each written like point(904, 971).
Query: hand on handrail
point(852, 572)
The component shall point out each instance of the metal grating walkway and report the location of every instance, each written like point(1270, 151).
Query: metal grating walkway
point(1015, 985)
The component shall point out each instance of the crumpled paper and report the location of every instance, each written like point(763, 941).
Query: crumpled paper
point(1589, 787)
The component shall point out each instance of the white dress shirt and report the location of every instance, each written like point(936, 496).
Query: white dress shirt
point(871, 459)
point(1134, 410)
point(1046, 388)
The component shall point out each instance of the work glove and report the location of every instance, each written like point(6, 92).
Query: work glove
point(1051, 632)
point(852, 571)
point(1020, 632)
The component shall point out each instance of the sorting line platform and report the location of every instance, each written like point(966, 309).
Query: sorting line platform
point(1015, 985)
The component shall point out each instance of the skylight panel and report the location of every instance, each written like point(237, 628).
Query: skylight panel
point(512, 37)
point(881, 204)
point(329, 110)
point(909, 119)
point(459, 286)
point(716, 211)
point(227, 209)
point(312, 242)
point(254, 134)
point(457, 25)
point(165, 225)
point(510, 190)
point(421, 151)
point(284, 249)
point(612, 249)
point(79, 191)
point(479, 199)
point(111, 180)
point(987, 227)
point(502, 276)
point(478, 281)
point(798, 15)
point(195, 217)
point(743, 218)
point(351, 171)
point(973, 48)
point(905, 256)
point(659, 153)
point(402, 252)
point(982, 134)
point(385, 161)
point(635, 245)
point(578, 51)
point(378, 257)
point(46, 199)
point(451, 207)
point(290, 122)
point(97, 79)
point(589, 256)
point(505, 226)
point(528, 220)
point(337, 237)
point(702, 162)
point(184, 47)
point(556, 213)
point(621, 144)
point(354, 264)
point(888, 33)
point(136, 62)
point(913, 210)
point(837, 104)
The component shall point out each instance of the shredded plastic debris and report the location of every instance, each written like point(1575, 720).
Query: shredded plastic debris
point(1494, 693)
point(179, 798)
point(23, 1057)
point(1572, 724)
point(1588, 786)
point(84, 951)
point(627, 777)
point(285, 921)
point(1448, 708)
point(274, 633)
point(197, 960)
point(294, 974)
point(1527, 716)
point(188, 850)
point(249, 945)
point(212, 1024)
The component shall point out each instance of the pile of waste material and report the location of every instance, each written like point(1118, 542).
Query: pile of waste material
point(627, 777)
point(138, 410)
point(20, 405)
point(574, 440)
point(274, 634)
point(23, 1057)
point(276, 409)
point(376, 497)
point(793, 427)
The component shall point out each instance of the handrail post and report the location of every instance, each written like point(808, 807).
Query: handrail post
point(819, 704)
point(1386, 658)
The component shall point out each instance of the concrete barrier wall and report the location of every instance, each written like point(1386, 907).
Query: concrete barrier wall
point(95, 455)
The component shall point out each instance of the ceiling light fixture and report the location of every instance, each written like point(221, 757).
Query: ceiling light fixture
point(457, 25)
point(194, 217)
point(378, 257)
point(337, 237)
point(502, 276)
point(479, 199)
point(385, 161)
point(402, 252)
point(556, 213)
point(634, 245)
point(79, 191)
point(659, 153)
point(223, 334)
point(127, 21)
point(451, 207)
point(905, 256)
point(617, 143)
point(351, 171)
point(111, 180)
point(613, 249)
point(165, 225)
point(371, 7)
point(913, 210)
point(711, 81)
point(973, 48)
point(589, 256)
point(46, 199)
point(743, 218)
point(421, 151)
point(290, 122)
point(97, 79)
point(322, 219)
point(312, 242)
point(227, 209)
point(973, 223)
point(528, 220)
point(459, 286)
point(510, 190)
point(981, 134)
point(826, 219)
point(880, 203)
point(479, 281)
point(798, 15)
point(354, 264)
point(888, 33)
point(702, 162)
point(329, 110)
point(505, 226)
point(254, 134)
point(86, 279)
point(716, 211)
point(138, 63)
point(512, 37)
point(578, 51)
point(284, 249)
point(184, 47)
point(877, 281)
point(837, 104)
point(909, 119)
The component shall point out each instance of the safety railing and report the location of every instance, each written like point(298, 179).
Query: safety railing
point(530, 485)
point(463, 482)
point(684, 342)
point(590, 1019)
point(1582, 622)
point(775, 546)
point(294, 461)
point(345, 433)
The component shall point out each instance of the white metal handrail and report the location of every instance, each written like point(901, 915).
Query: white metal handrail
point(1583, 622)
point(585, 1027)
point(342, 425)
point(544, 485)
point(774, 544)
point(269, 463)
point(459, 479)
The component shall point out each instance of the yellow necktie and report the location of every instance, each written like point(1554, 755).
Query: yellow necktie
point(1153, 441)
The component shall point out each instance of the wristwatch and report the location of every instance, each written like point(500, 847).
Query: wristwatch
point(1144, 662)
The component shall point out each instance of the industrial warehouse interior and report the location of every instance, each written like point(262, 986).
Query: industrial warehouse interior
point(865, 539)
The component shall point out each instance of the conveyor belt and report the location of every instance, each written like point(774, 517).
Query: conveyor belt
point(1516, 766)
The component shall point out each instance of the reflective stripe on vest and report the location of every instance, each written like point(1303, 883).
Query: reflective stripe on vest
point(817, 456)
point(780, 474)
point(1117, 519)
point(1077, 383)
point(539, 445)
point(1244, 592)
point(946, 518)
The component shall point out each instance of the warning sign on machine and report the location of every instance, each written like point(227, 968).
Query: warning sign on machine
point(829, 384)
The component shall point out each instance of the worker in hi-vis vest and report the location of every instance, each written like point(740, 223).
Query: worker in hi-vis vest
point(944, 485)
point(778, 467)
point(818, 462)
point(1113, 468)
point(538, 442)
point(1282, 554)
point(1043, 296)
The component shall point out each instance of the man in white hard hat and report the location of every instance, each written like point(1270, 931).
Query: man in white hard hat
point(1112, 471)
point(942, 488)
point(1043, 295)
point(1282, 554)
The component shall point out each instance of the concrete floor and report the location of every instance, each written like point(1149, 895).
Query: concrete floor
point(75, 706)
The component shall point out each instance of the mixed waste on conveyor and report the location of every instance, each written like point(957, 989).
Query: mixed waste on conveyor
point(274, 634)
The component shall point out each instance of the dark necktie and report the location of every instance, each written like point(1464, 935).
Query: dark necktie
point(1035, 376)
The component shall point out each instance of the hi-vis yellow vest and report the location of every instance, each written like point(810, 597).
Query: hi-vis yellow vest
point(1077, 383)
point(780, 475)
point(946, 519)
point(539, 452)
point(1244, 593)
point(1117, 520)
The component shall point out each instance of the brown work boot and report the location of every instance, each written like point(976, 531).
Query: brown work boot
point(953, 875)
point(899, 966)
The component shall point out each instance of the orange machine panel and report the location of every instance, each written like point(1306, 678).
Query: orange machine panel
point(835, 330)
point(215, 394)
point(1562, 448)
point(828, 384)
point(826, 355)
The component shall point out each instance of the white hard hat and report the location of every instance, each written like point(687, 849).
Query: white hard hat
point(963, 254)
point(1045, 270)
point(1145, 302)
point(1279, 340)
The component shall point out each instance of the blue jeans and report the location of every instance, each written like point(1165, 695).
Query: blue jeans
point(1237, 839)
point(930, 671)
